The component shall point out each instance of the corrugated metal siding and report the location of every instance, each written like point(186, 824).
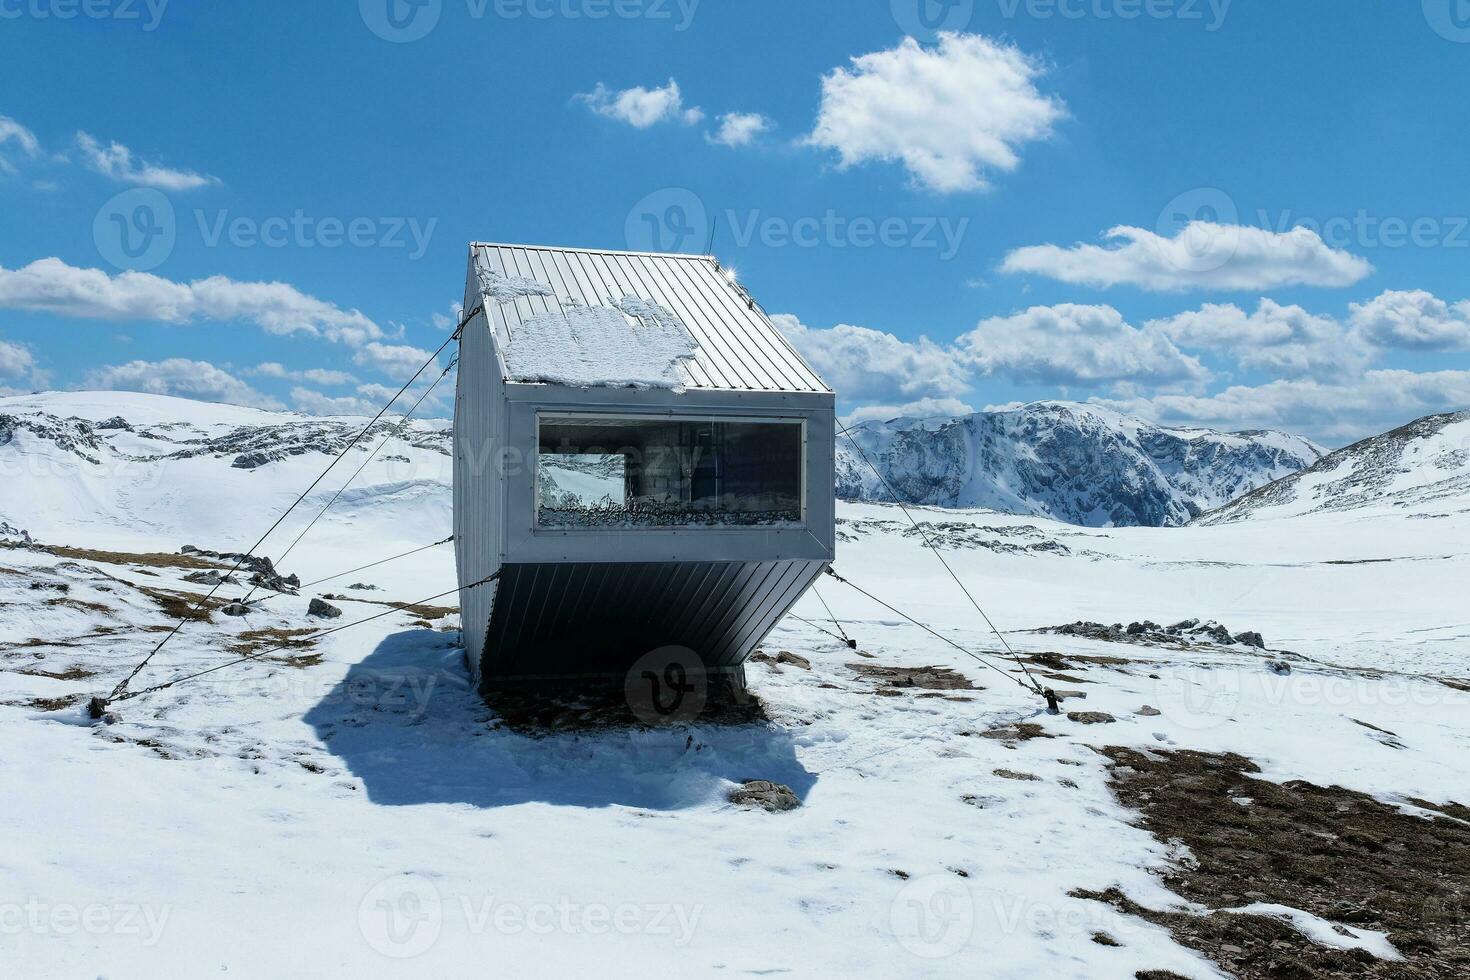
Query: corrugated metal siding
point(599, 618)
point(739, 348)
point(479, 493)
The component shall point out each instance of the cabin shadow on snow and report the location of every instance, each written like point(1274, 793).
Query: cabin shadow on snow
point(407, 722)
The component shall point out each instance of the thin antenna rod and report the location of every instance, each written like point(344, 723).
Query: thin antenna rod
point(714, 226)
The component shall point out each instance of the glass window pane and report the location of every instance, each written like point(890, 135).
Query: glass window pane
point(668, 473)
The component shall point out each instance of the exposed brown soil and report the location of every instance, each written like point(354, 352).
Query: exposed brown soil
point(72, 673)
point(54, 704)
point(429, 613)
point(183, 605)
point(147, 559)
point(1338, 854)
point(540, 710)
point(253, 643)
point(928, 678)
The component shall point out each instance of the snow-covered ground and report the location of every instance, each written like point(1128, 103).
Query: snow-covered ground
point(353, 808)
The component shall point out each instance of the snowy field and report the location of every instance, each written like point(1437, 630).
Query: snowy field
point(351, 807)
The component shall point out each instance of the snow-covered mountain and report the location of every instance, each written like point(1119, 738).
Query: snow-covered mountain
point(1081, 464)
point(1422, 466)
point(111, 468)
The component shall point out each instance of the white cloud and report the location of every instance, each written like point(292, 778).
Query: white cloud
point(181, 377)
point(1202, 255)
point(15, 361)
point(1416, 320)
point(1331, 413)
point(116, 161)
point(740, 128)
point(923, 408)
point(315, 403)
point(1084, 346)
point(13, 132)
point(320, 376)
point(51, 286)
point(641, 107)
point(867, 366)
point(950, 114)
point(397, 361)
point(1282, 339)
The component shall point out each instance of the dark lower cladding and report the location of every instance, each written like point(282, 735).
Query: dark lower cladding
point(598, 619)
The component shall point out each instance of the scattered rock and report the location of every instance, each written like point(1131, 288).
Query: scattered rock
point(325, 610)
point(363, 587)
point(930, 678)
point(1090, 717)
point(1012, 774)
point(1148, 711)
point(1103, 939)
point(769, 796)
point(208, 577)
point(1251, 639)
point(795, 660)
point(236, 609)
point(1279, 667)
point(116, 422)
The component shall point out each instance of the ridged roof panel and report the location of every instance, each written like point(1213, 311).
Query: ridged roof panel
point(740, 349)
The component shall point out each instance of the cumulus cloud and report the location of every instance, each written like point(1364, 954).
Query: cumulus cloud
point(1283, 339)
point(52, 286)
point(15, 360)
point(1085, 346)
point(183, 378)
point(740, 128)
point(1330, 413)
point(641, 107)
point(319, 376)
point(316, 403)
point(397, 361)
point(922, 409)
point(950, 114)
point(116, 161)
point(870, 366)
point(1415, 320)
point(1202, 255)
point(14, 134)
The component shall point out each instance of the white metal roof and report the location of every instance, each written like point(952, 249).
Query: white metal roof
point(739, 348)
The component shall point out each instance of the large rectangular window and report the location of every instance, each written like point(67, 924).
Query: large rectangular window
point(597, 472)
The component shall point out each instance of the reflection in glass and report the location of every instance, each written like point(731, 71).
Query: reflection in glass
point(668, 473)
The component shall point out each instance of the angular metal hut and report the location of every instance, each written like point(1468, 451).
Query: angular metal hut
point(641, 456)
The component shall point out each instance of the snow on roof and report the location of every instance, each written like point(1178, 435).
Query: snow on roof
point(589, 317)
point(599, 346)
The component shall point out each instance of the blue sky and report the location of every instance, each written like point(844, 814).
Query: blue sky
point(1236, 214)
